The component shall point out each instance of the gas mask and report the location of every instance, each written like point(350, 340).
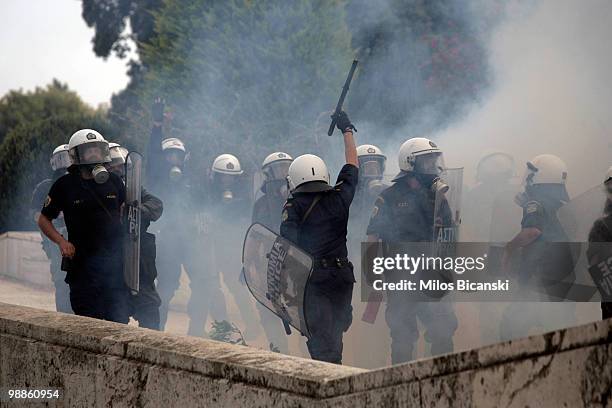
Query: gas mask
point(227, 196)
point(376, 186)
point(175, 173)
point(99, 173)
point(438, 186)
point(433, 182)
point(276, 187)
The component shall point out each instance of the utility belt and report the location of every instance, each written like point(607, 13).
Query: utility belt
point(331, 263)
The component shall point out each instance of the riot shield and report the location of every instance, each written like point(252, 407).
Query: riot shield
point(276, 273)
point(131, 247)
point(490, 213)
point(447, 210)
point(577, 218)
point(580, 213)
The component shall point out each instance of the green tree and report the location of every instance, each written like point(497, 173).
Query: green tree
point(18, 107)
point(33, 124)
point(24, 160)
point(244, 76)
point(109, 19)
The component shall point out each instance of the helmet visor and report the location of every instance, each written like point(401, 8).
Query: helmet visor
point(93, 153)
point(175, 157)
point(118, 155)
point(370, 168)
point(226, 180)
point(430, 163)
point(277, 170)
point(60, 160)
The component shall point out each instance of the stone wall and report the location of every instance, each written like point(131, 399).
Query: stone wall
point(99, 363)
point(22, 258)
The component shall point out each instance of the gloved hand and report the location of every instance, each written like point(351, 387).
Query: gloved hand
point(157, 110)
point(343, 123)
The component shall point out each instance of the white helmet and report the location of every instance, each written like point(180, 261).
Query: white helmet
point(173, 143)
point(305, 170)
point(60, 158)
point(546, 169)
point(371, 161)
point(420, 155)
point(276, 166)
point(118, 154)
point(87, 146)
point(227, 164)
point(495, 166)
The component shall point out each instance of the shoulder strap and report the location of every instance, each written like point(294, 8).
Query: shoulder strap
point(312, 205)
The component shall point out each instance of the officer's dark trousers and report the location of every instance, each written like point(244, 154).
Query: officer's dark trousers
point(328, 311)
point(401, 315)
point(62, 290)
point(145, 305)
point(97, 289)
point(171, 254)
point(206, 297)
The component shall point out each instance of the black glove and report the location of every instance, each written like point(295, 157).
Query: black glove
point(157, 110)
point(343, 123)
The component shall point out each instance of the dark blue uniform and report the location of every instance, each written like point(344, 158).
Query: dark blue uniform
point(145, 305)
point(92, 216)
point(542, 265)
point(403, 214)
point(328, 307)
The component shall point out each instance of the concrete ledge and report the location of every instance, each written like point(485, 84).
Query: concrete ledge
point(22, 258)
point(102, 363)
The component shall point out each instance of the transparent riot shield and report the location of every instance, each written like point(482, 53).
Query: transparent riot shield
point(447, 210)
point(580, 213)
point(593, 260)
point(131, 251)
point(276, 273)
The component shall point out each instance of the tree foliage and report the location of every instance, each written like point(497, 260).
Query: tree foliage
point(109, 19)
point(243, 76)
point(18, 107)
point(39, 121)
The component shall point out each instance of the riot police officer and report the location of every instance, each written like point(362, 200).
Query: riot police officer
point(491, 198)
point(90, 199)
point(404, 212)
point(267, 211)
point(166, 179)
point(372, 164)
point(60, 161)
point(315, 218)
point(144, 306)
point(542, 265)
point(491, 216)
point(223, 221)
point(602, 232)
